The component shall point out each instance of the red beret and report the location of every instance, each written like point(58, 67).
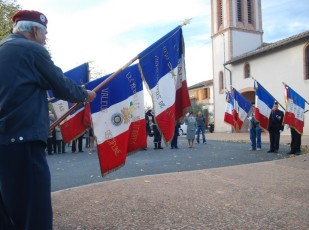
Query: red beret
point(30, 15)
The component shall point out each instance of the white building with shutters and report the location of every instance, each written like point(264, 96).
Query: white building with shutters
point(240, 54)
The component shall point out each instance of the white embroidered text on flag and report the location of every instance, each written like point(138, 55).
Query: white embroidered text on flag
point(118, 118)
point(295, 110)
point(163, 68)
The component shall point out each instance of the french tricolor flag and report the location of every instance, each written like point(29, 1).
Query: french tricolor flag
point(229, 115)
point(76, 123)
point(264, 102)
point(242, 107)
point(118, 118)
point(79, 120)
point(295, 109)
point(163, 68)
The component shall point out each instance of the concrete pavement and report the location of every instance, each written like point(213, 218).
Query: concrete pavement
point(268, 195)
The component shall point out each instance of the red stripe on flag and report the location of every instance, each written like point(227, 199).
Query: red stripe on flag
point(112, 153)
point(73, 127)
point(87, 115)
point(166, 122)
point(237, 121)
point(137, 136)
point(291, 120)
point(182, 101)
point(261, 118)
point(229, 118)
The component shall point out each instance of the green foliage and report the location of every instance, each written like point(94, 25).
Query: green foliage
point(7, 9)
point(201, 107)
point(197, 107)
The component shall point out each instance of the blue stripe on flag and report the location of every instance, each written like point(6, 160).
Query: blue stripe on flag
point(79, 74)
point(264, 96)
point(242, 101)
point(161, 57)
point(297, 99)
point(127, 83)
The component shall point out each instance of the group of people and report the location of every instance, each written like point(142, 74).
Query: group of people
point(27, 72)
point(275, 127)
point(56, 144)
point(195, 128)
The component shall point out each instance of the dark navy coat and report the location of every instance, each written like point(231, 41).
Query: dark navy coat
point(276, 121)
point(26, 72)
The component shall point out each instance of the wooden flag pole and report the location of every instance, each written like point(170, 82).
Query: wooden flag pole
point(107, 80)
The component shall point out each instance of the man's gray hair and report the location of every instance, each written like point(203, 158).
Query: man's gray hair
point(26, 26)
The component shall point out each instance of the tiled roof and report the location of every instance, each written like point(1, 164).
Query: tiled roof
point(201, 84)
point(267, 47)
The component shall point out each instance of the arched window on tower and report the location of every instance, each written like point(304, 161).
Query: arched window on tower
point(219, 13)
point(307, 62)
point(221, 82)
point(239, 11)
point(249, 7)
point(247, 73)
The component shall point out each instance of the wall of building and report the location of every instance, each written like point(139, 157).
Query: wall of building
point(243, 41)
point(271, 70)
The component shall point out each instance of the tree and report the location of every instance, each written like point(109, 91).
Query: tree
point(7, 9)
point(204, 109)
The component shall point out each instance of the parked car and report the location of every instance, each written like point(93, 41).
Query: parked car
point(211, 127)
point(183, 129)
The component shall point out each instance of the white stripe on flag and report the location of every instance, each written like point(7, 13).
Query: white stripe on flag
point(104, 121)
point(164, 93)
point(295, 109)
point(263, 108)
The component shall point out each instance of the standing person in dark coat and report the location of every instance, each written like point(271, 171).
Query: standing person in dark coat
point(148, 128)
point(174, 143)
point(200, 123)
point(27, 72)
point(275, 127)
point(79, 141)
point(295, 142)
point(157, 138)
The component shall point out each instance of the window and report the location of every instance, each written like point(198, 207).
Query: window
point(196, 93)
point(221, 82)
point(307, 62)
point(220, 16)
point(205, 93)
point(247, 73)
point(239, 11)
point(249, 6)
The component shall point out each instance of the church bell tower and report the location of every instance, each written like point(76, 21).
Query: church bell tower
point(236, 28)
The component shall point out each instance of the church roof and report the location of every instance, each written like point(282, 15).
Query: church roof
point(268, 47)
point(201, 84)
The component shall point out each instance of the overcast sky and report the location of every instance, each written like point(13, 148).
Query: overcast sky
point(111, 32)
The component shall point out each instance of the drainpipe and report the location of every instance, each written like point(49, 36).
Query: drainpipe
point(231, 83)
point(224, 65)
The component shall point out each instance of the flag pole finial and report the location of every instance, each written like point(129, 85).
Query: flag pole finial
point(186, 22)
